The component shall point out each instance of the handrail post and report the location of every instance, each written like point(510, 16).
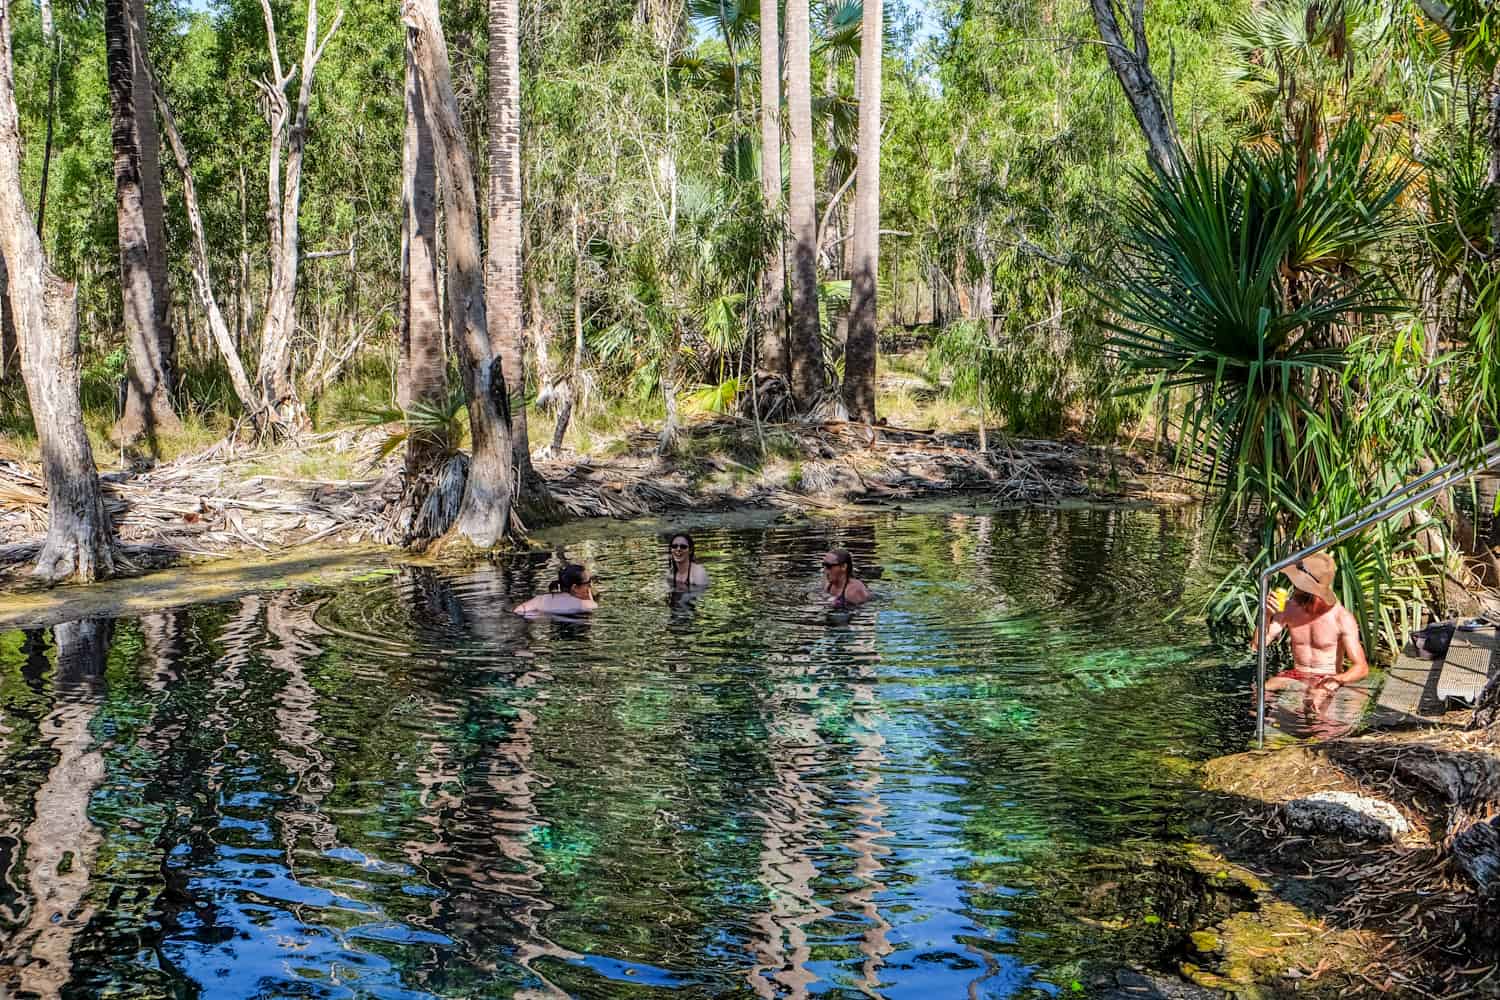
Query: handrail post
point(1262, 628)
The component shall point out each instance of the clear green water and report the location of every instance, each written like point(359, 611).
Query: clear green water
point(394, 788)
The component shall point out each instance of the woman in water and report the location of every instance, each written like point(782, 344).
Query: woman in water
point(839, 582)
point(570, 594)
point(684, 572)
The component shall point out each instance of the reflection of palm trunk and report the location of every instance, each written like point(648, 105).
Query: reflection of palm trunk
point(61, 842)
point(786, 870)
point(509, 773)
point(868, 831)
point(297, 722)
point(160, 668)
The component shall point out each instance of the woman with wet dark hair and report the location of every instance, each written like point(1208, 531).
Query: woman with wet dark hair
point(684, 572)
point(839, 582)
point(570, 594)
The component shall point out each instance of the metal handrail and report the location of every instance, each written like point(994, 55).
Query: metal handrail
point(1388, 506)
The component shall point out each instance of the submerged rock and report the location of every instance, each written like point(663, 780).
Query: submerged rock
point(1345, 814)
point(1132, 985)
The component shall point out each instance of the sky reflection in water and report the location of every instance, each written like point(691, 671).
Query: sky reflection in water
point(394, 788)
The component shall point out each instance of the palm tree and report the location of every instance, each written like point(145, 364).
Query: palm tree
point(483, 517)
point(502, 271)
point(148, 408)
point(859, 351)
point(802, 215)
point(422, 374)
point(773, 346)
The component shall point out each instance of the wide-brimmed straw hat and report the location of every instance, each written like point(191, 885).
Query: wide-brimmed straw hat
point(1314, 575)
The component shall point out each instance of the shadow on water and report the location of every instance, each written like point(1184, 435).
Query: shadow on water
point(393, 787)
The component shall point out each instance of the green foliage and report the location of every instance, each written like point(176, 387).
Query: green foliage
point(1239, 283)
point(441, 427)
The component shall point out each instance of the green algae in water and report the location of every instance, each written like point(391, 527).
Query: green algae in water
point(381, 777)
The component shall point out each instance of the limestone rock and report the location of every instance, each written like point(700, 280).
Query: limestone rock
point(1345, 814)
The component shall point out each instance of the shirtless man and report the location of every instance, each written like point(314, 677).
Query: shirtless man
point(1323, 635)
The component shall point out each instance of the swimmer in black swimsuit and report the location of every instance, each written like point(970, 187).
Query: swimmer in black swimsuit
point(684, 572)
point(839, 582)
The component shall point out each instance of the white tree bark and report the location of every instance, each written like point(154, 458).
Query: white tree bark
point(274, 377)
point(202, 276)
point(1132, 66)
point(45, 307)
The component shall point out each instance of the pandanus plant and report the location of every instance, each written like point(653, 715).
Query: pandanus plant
point(1238, 288)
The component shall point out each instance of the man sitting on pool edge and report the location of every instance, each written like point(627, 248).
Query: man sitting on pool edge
point(1323, 634)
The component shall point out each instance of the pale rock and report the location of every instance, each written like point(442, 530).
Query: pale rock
point(1345, 814)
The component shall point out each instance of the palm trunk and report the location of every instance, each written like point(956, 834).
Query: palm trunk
point(422, 376)
point(148, 409)
point(484, 513)
point(773, 346)
point(806, 347)
point(10, 347)
point(45, 307)
point(503, 292)
point(859, 352)
point(148, 145)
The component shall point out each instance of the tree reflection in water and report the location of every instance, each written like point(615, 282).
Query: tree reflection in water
point(61, 843)
point(396, 787)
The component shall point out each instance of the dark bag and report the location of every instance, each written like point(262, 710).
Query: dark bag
point(1432, 641)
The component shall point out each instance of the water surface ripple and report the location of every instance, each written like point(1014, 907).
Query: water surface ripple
point(393, 787)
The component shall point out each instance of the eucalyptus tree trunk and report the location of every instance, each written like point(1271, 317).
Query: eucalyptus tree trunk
point(806, 347)
point(773, 346)
point(274, 378)
point(422, 375)
point(502, 275)
point(1132, 65)
point(484, 512)
point(859, 351)
point(203, 277)
point(148, 405)
point(78, 544)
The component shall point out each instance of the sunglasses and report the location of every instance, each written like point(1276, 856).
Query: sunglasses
point(679, 545)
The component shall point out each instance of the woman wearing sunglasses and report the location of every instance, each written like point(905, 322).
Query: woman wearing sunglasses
point(839, 582)
point(571, 593)
point(684, 572)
